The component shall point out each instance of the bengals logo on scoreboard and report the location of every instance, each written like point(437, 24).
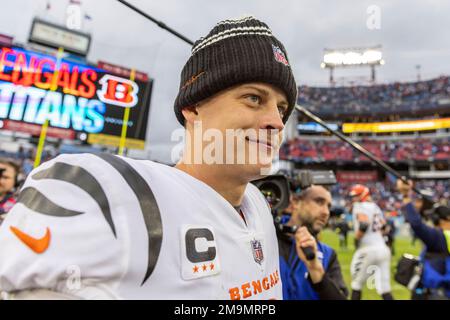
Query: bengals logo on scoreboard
point(118, 91)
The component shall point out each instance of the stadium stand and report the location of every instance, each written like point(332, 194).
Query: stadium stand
point(409, 98)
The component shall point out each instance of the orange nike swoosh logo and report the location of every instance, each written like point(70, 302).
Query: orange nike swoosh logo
point(37, 245)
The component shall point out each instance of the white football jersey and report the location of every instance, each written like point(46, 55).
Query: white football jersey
point(102, 226)
point(375, 216)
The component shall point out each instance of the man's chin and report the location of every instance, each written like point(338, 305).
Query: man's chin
point(255, 171)
point(318, 228)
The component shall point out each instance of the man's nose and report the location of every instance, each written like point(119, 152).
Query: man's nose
point(326, 212)
point(272, 118)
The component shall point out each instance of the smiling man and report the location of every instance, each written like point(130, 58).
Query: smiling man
point(101, 226)
point(246, 122)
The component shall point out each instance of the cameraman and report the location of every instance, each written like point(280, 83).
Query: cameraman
point(435, 278)
point(320, 278)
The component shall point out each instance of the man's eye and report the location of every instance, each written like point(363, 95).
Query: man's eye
point(254, 98)
point(320, 201)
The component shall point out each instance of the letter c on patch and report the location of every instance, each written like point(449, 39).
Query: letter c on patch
point(192, 254)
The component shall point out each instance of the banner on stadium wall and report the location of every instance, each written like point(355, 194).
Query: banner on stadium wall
point(79, 97)
point(399, 126)
point(356, 176)
point(35, 129)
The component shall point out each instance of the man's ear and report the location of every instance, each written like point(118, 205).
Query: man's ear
point(190, 113)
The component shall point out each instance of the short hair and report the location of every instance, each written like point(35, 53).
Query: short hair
point(305, 192)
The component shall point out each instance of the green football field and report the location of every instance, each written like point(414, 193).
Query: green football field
point(402, 245)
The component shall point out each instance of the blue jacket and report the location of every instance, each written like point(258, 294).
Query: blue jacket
point(435, 256)
point(295, 278)
point(436, 270)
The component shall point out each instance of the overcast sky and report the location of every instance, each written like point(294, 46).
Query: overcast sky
point(412, 32)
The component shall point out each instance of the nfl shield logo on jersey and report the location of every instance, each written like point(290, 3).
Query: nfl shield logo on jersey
point(258, 254)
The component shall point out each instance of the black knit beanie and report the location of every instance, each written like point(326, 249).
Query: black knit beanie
point(235, 52)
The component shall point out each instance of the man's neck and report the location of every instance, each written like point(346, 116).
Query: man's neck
point(230, 189)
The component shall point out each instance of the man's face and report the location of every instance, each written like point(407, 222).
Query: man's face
point(6, 179)
point(251, 112)
point(314, 208)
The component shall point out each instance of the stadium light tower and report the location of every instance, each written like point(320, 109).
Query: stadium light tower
point(352, 57)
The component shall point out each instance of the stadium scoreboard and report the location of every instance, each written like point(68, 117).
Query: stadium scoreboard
point(75, 97)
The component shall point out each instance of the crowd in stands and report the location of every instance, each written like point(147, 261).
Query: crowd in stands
point(375, 99)
point(308, 151)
